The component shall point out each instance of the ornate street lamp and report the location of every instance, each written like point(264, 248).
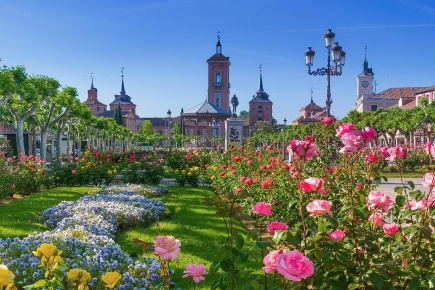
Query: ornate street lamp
point(169, 128)
point(338, 56)
point(283, 146)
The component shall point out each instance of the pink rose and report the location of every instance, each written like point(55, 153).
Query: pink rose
point(404, 263)
point(276, 226)
point(328, 120)
point(270, 261)
point(336, 235)
point(167, 247)
point(390, 229)
point(377, 199)
point(384, 151)
point(428, 179)
point(368, 134)
point(73, 171)
point(261, 208)
point(353, 138)
point(377, 219)
point(312, 184)
point(317, 207)
point(197, 272)
point(294, 266)
point(343, 128)
point(12, 186)
point(304, 150)
point(370, 158)
point(397, 153)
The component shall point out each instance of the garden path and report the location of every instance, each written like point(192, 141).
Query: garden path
point(387, 187)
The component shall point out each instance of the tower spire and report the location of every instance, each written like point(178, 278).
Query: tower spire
point(365, 63)
point(312, 95)
point(261, 79)
point(122, 85)
point(218, 44)
point(92, 78)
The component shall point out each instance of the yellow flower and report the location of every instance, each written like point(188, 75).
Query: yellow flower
point(114, 170)
point(190, 173)
point(11, 287)
point(78, 277)
point(111, 279)
point(183, 171)
point(109, 172)
point(46, 250)
point(6, 276)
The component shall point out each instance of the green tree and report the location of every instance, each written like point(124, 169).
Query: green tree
point(243, 114)
point(10, 81)
point(117, 115)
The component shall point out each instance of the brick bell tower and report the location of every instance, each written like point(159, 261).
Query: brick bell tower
point(219, 79)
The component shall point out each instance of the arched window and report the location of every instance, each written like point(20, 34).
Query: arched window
point(260, 109)
point(218, 80)
point(98, 108)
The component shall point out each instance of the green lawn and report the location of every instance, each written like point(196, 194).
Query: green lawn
point(201, 233)
point(19, 218)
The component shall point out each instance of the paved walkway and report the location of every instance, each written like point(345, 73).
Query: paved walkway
point(388, 187)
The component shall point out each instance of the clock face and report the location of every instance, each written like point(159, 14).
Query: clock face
point(365, 84)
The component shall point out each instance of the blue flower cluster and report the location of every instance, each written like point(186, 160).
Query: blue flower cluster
point(84, 231)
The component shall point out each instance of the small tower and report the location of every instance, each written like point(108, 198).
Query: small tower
point(92, 102)
point(365, 79)
point(219, 78)
point(260, 107)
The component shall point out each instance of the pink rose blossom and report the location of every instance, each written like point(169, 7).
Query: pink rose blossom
point(317, 207)
point(261, 208)
point(377, 199)
point(404, 263)
point(197, 272)
point(328, 120)
point(390, 229)
point(368, 134)
point(337, 235)
point(397, 153)
point(304, 150)
point(73, 171)
point(294, 266)
point(276, 226)
point(270, 261)
point(167, 247)
point(343, 128)
point(384, 151)
point(312, 184)
point(377, 219)
point(12, 186)
point(370, 158)
point(428, 179)
point(353, 138)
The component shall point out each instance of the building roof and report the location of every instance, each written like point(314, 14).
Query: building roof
point(261, 95)
point(88, 102)
point(122, 98)
point(427, 89)
point(206, 108)
point(311, 106)
point(397, 93)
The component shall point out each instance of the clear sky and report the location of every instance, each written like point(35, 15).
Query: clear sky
point(163, 46)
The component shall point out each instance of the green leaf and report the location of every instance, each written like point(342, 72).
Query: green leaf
point(398, 190)
point(321, 227)
point(411, 184)
point(240, 242)
point(293, 238)
point(262, 244)
point(318, 252)
point(278, 236)
point(376, 280)
point(214, 267)
point(327, 257)
point(400, 200)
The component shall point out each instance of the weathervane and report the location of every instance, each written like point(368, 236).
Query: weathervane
point(122, 71)
point(218, 34)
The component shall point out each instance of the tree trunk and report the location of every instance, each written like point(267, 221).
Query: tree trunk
point(19, 124)
point(44, 134)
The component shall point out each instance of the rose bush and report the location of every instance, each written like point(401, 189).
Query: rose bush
point(342, 232)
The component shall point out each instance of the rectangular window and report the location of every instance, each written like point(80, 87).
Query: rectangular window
point(217, 99)
point(191, 132)
point(373, 108)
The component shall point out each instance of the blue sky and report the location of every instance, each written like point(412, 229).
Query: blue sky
point(163, 46)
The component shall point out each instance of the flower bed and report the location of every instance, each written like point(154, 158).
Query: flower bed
point(84, 231)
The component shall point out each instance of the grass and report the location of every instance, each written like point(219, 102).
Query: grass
point(19, 217)
point(201, 233)
point(405, 175)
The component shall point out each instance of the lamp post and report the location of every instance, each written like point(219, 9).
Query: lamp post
point(283, 145)
point(169, 128)
point(312, 123)
point(214, 124)
point(338, 56)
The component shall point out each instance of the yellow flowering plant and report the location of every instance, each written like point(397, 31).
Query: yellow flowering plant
point(51, 261)
point(111, 279)
point(80, 278)
point(6, 278)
